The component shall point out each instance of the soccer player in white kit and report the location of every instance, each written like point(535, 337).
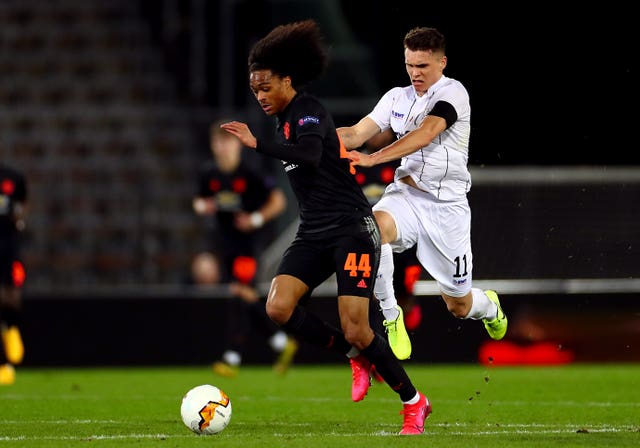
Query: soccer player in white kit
point(426, 204)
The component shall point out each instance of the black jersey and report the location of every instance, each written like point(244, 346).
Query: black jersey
point(315, 162)
point(245, 189)
point(13, 190)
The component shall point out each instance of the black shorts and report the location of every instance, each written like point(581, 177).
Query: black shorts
point(352, 253)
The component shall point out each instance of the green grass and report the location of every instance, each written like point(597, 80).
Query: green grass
point(474, 406)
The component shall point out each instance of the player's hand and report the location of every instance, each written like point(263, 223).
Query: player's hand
point(244, 292)
point(242, 221)
point(360, 159)
point(204, 206)
point(242, 131)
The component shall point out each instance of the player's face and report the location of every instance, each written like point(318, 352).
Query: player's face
point(226, 149)
point(424, 68)
point(273, 92)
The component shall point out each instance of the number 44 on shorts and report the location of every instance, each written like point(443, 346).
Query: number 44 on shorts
point(358, 262)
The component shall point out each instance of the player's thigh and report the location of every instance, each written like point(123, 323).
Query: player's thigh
point(444, 247)
point(399, 220)
point(356, 258)
point(310, 261)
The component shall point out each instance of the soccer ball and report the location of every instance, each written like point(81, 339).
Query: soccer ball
point(206, 409)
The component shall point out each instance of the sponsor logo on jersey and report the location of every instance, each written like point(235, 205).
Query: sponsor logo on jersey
point(308, 119)
point(289, 166)
point(395, 114)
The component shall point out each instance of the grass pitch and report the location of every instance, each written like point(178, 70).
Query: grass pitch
point(474, 406)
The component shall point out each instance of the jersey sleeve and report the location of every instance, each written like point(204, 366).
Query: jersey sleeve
point(310, 121)
point(454, 95)
point(310, 117)
point(381, 113)
point(308, 150)
point(444, 109)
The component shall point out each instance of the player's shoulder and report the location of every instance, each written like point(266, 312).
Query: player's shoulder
point(395, 92)
point(397, 95)
point(452, 84)
point(308, 100)
point(308, 110)
point(451, 90)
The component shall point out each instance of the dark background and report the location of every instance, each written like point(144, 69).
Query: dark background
point(550, 84)
point(105, 106)
point(178, 329)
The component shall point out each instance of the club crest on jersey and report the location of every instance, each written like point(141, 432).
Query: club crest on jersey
point(308, 119)
point(287, 130)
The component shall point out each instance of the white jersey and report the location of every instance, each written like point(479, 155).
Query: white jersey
point(439, 168)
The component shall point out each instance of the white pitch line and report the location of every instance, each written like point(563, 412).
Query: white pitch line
point(534, 429)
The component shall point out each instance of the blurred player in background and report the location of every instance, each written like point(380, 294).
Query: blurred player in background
point(241, 199)
point(337, 233)
point(426, 205)
point(205, 269)
point(13, 210)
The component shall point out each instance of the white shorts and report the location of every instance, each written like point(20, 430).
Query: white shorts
point(440, 229)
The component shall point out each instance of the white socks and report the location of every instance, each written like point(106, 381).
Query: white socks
point(481, 307)
point(414, 400)
point(232, 358)
point(278, 341)
point(383, 288)
point(353, 352)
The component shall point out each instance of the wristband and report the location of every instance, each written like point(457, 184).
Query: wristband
point(256, 219)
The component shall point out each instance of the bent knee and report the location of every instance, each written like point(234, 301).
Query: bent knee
point(279, 311)
point(387, 226)
point(277, 314)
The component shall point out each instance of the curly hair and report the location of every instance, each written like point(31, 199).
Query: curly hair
point(424, 39)
point(295, 49)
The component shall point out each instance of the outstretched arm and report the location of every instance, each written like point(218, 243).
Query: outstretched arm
point(242, 131)
point(307, 151)
point(355, 136)
point(420, 137)
point(275, 204)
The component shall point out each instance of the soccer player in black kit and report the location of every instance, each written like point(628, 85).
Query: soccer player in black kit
point(337, 232)
point(241, 199)
point(13, 204)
